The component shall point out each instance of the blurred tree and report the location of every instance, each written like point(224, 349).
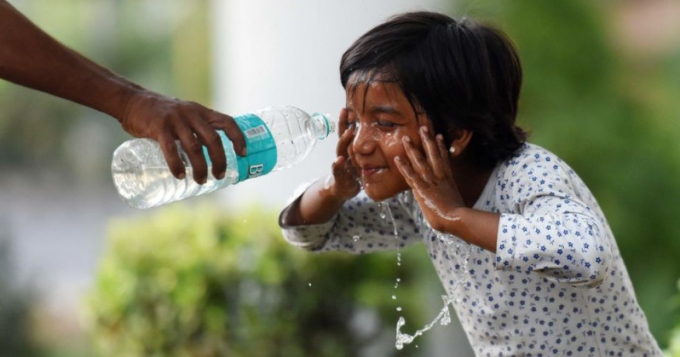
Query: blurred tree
point(15, 310)
point(614, 122)
point(195, 282)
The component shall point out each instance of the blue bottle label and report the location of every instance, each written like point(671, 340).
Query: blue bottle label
point(260, 144)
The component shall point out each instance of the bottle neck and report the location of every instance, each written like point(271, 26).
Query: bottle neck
point(321, 126)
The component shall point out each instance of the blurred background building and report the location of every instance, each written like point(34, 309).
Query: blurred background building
point(602, 82)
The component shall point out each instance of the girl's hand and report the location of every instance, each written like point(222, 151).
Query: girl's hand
point(343, 183)
point(431, 179)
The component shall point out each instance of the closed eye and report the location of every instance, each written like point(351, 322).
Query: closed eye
point(386, 124)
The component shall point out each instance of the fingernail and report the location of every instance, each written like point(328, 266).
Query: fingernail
point(407, 139)
point(220, 176)
point(424, 129)
point(182, 175)
point(397, 159)
point(244, 151)
point(440, 137)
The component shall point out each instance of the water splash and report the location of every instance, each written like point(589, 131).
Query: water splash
point(444, 318)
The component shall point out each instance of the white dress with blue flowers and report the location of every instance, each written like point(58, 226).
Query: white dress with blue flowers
point(557, 285)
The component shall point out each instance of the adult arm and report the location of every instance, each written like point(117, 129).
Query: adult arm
point(31, 58)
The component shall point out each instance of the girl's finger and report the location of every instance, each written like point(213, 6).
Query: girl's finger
point(343, 143)
point(345, 177)
point(444, 153)
point(342, 122)
point(434, 158)
point(411, 177)
point(418, 162)
point(338, 167)
point(349, 166)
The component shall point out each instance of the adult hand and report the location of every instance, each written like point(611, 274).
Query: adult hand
point(344, 183)
point(431, 179)
point(166, 120)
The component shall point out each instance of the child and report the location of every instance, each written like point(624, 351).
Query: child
point(429, 129)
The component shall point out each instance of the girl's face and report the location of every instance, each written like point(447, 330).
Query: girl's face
point(381, 115)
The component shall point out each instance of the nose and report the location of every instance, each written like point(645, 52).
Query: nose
point(364, 143)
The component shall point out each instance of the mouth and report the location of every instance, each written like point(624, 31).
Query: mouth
point(368, 171)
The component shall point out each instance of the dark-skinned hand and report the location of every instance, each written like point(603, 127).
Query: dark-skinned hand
point(168, 120)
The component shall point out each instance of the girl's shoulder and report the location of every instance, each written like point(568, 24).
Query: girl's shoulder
point(530, 159)
point(531, 154)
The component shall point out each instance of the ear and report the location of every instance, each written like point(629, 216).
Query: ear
point(461, 141)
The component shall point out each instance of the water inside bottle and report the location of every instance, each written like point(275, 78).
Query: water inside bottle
point(161, 186)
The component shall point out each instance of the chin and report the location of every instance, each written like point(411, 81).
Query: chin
point(378, 192)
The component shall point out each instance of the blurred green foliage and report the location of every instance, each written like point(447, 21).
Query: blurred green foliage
point(198, 282)
point(614, 119)
point(673, 349)
point(16, 339)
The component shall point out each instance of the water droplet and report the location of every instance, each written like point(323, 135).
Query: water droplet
point(356, 238)
point(310, 284)
point(394, 297)
point(399, 308)
point(383, 209)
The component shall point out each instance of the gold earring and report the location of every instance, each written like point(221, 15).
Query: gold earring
point(452, 150)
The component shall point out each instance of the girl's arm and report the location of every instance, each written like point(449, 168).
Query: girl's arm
point(318, 204)
point(322, 200)
point(547, 228)
point(332, 215)
point(552, 224)
point(357, 227)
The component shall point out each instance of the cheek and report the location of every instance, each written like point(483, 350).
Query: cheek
point(392, 147)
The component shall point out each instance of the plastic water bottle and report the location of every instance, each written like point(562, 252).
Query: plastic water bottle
point(276, 139)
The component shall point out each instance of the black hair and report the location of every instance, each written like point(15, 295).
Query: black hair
point(462, 74)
